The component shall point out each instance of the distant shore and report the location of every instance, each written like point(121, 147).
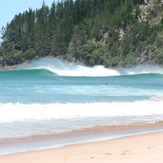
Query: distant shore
point(135, 149)
point(7, 67)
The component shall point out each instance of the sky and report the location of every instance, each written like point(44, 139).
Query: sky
point(10, 8)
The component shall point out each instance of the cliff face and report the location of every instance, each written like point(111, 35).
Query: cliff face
point(147, 6)
point(151, 3)
point(114, 33)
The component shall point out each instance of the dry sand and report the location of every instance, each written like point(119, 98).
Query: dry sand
point(147, 148)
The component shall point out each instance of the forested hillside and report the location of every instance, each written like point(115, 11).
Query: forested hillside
point(114, 33)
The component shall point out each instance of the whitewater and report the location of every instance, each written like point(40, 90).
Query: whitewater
point(47, 96)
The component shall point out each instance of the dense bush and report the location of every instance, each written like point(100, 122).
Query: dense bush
point(109, 32)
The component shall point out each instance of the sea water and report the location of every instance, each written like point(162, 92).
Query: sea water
point(48, 96)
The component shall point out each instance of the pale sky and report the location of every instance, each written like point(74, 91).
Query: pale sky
point(10, 8)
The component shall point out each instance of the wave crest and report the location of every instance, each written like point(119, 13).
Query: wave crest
point(64, 68)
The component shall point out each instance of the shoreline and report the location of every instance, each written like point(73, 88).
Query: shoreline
point(135, 149)
point(88, 135)
point(115, 68)
point(8, 68)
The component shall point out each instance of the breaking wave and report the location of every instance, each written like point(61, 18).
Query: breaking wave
point(64, 68)
point(25, 112)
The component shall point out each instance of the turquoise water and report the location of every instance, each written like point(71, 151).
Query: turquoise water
point(49, 95)
point(44, 86)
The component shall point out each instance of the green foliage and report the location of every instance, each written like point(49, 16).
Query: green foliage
point(108, 32)
point(97, 56)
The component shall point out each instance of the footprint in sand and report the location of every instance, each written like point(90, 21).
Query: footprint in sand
point(126, 152)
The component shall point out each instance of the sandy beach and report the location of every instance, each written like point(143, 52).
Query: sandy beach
point(135, 149)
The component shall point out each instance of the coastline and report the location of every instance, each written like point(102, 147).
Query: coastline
point(7, 67)
point(16, 146)
point(138, 148)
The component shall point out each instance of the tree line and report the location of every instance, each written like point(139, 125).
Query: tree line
point(92, 32)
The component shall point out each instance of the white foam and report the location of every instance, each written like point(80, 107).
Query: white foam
point(64, 68)
point(26, 112)
point(86, 71)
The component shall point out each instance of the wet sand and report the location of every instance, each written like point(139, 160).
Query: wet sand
point(135, 149)
point(83, 132)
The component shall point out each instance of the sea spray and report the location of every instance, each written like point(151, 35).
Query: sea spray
point(64, 68)
point(142, 69)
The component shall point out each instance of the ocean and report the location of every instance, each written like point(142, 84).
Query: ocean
point(47, 96)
